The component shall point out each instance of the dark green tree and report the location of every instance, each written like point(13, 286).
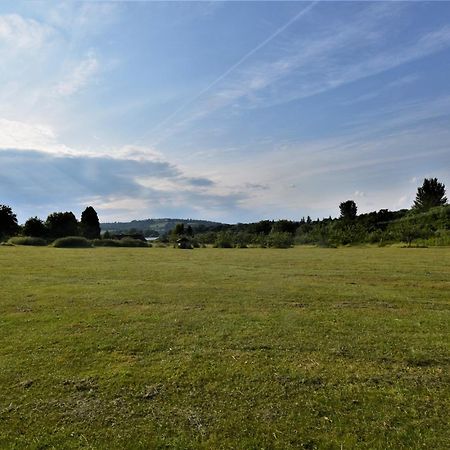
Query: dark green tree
point(348, 210)
point(8, 222)
point(179, 229)
point(432, 193)
point(285, 226)
point(61, 224)
point(177, 232)
point(90, 225)
point(34, 227)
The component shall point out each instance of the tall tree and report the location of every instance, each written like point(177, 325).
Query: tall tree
point(8, 222)
point(178, 230)
point(34, 227)
point(348, 210)
point(61, 224)
point(90, 225)
point(430, 194)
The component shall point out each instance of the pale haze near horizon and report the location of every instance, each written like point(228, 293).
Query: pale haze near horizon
point(222, 111)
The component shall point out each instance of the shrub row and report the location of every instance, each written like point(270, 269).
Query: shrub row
point(78, 242)
point(27, 240)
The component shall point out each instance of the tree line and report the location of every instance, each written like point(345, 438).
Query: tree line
point(57, 225)
point(428, 217)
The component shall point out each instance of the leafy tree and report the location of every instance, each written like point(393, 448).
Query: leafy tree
point(177, 232)
point(90, 225)
point(8, 222)
point(432, 193)
point(34, 227)
point(407, 231)
point(285, 226)
point(61, 224)
point(179, 229)
point(348, 210)
point(261, 227)
point(280, 240)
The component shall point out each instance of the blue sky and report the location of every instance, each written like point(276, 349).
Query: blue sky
point(229, 111)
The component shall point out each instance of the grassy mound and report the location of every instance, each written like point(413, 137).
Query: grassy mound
point(72, 242)
point(27, 240)
point(130, 242)
point(125, 242)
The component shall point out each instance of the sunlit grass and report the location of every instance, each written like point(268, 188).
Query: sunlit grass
point(219, 348)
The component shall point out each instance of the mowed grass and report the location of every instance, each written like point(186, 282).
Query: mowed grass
point(223, 348)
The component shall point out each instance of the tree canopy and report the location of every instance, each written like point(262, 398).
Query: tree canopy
point(348, 210)
point(430, 194)
point(8, 222)
point(34, 227)
point(61, 224)
point(90, 225)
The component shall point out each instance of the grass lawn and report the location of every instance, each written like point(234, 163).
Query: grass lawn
point(224, 348)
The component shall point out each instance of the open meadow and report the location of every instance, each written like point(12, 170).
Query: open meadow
point(224, 348)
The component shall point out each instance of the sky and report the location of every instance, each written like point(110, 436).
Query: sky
point(226, 111)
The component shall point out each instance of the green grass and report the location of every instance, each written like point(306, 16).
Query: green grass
point(222, 348)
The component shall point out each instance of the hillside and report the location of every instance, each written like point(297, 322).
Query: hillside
point(157, 226)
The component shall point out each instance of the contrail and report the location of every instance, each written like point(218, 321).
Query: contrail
point(234, 66)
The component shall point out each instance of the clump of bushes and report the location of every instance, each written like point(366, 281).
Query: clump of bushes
point(280, 240)
point(106, 243)
point(72, 242)
point(125, 242)
point(27, 240)
point(130, 242)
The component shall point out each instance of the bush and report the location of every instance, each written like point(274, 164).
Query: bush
point(222, 243)
point(125, 242)
point(106, 243)
point(72, 242)
point(130, 242)
point(280, 240)
point(224, 239)
point(27, 240)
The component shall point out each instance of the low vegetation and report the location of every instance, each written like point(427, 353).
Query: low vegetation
point(72, 242)
point(221, 348)
point(426, 223)
point(27, 240)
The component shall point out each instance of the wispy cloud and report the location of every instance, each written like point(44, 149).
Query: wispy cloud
point(79, 76)
point(19, 33)
point(231, 69)
point(306, 66)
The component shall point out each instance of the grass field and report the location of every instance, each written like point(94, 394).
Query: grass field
point(216, 348)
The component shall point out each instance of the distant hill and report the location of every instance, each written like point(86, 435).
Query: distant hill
point(155, 227)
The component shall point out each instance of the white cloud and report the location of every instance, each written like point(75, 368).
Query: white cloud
point(17, 32)
point(79, 76)
point(30, 136)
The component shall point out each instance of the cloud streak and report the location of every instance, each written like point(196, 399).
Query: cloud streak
point(79, 76)
point(239, 63)
point(312, 65)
